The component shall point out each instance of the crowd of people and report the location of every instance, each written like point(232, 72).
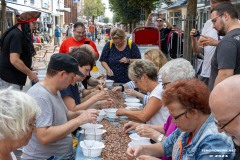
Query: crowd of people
point(185, 117)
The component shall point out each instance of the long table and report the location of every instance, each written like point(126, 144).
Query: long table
point(115, 140)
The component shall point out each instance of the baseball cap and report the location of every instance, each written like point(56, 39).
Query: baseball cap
point(60, 62)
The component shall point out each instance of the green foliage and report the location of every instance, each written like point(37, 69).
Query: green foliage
point(93, 8)
point(124, 11)
point(147, 5)
point(106, 20)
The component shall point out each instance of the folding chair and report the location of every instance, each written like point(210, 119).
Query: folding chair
point(41, 56)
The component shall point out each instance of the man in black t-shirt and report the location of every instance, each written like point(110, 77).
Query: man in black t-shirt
point(17, 51)
point(164, 31)
point(226, 59)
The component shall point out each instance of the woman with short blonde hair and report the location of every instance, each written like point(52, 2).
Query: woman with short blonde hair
point(117, 55)
point(17, 120)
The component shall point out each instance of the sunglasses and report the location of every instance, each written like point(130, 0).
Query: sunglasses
point(158, 20)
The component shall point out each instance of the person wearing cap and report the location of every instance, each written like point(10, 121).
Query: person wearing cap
point(52, 137)
point(159, 23)
point(16, 52)
point(71, 96)
point(77, 40)
point(69, 32)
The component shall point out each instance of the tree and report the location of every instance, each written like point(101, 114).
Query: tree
point(147, 5)
point(189, 24)
point(106, 20)
point(93, 8)
point(3, 14)
point(123, 10)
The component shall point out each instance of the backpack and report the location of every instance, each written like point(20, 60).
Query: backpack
point(129, 44)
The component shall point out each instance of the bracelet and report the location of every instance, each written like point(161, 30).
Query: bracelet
point(122, 87)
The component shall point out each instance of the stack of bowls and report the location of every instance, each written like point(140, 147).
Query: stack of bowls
point(133, 104)
point(92, 137)
point(138, 140)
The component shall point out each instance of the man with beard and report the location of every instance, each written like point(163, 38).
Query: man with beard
point(226, 59)
point(224, 103)
point(211, 39)
point(16, 52)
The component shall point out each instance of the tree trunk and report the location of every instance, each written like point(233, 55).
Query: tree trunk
point(190, 22)
point(93, 17)
point(130, 27)
point(3, 19)
point(147, 11)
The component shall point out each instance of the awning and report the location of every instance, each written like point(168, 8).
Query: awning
point(22, 8)
point(64, 10)
point(177, 4)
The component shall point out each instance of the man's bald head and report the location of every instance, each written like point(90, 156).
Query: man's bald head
point(225, 97)
point(224, 102)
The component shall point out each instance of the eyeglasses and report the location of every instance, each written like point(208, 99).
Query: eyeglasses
point(180, 115)
point(32, 125)
point(215, 19)
point(80, 33)
point(223, 126)
point(165, 84)
point(118, 43)
point(158, 20)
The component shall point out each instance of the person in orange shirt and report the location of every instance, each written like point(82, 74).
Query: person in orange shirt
point(91, 29)
point(77, 40)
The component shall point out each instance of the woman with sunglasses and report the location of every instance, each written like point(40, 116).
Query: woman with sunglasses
point(117, 55)
point(197, 135)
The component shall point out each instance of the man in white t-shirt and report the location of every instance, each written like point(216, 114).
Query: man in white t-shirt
point(206, 44)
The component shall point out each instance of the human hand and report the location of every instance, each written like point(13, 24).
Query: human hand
point(120, 111)
point(110, 73)
point(134, 152)
point(102, 76)
point(146, 131)
point(146, 157)
point(33, 76)
point(192, 33)
point(102, 82)
point(130, 126)
point(99, 87)
point(118, 88)
point(105, 103)
point(131, 92)
point(89, 115)
point(102, 95)
point(124, 60)
point(209, 41)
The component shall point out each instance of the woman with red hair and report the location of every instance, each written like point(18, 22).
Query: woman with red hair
point(197, 135)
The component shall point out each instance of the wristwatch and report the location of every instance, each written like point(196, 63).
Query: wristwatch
point(160, 138)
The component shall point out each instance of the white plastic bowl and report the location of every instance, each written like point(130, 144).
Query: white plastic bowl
point(109, 83)
point(136, 137)
point(111, 112)
point(138, 105)
point(90, 135)
point(91, 125)
point(95, 151)
point(101, 115)
point(41, 77)
point(132, 100)
point(138, 143)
